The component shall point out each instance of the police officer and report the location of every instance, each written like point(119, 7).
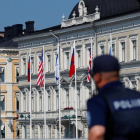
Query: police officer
point(114, 114)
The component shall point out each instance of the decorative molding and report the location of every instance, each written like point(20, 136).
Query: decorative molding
point(122, 39)
point(82, 19)
point(101, 43)
point(134, 37)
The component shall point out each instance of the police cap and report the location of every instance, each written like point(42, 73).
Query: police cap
point(105, 63)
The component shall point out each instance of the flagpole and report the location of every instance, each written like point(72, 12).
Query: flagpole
point(91, 64)
point(44, 94)
point(59, 94)
point(30, 100)
point(75, 92)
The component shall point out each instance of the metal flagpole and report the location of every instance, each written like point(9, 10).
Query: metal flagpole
point(75, 90)
point(30, 100)
point(44, 94)
point(59, 94)
point(91, 65)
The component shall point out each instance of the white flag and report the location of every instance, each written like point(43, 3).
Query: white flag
point(110, 48)
point(57, 66)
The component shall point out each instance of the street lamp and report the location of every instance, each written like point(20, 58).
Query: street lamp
point(69, 117)
point(24, 116)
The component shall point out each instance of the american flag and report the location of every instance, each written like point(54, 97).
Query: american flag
point(89, 67)
point(40, 77)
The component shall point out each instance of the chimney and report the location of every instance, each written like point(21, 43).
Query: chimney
point(29, 26)
point(8, 31)
point(17, 29)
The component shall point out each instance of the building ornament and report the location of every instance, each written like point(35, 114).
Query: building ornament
point(83, 17)
point(128, 83)
point(133, 38)
point(137, 78)
point(101, 43)
point(122, 39)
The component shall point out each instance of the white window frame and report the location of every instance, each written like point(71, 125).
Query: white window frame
point(16, 69)
point(78, 64)
point(113, 43)
point(23, 70)
point(49, 100)
point(57, 99)
point(33, 67)
point(40, 101)
point(122, 40)
point(24, 102)
point(78, 98)
point(100, 45)
point(133, 38)
point(67, 97)
point(4, 101)
point(48, 53)
point(49, 131)
point(32, 102)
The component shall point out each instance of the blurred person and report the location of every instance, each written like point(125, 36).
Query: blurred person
point(114, 114)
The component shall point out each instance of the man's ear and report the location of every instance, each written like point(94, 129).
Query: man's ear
point(97, 77)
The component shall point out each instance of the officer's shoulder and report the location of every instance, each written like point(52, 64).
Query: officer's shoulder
point(96, 99)
point(132, 90)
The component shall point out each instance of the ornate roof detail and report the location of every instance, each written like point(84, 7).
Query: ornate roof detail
point(83, 18)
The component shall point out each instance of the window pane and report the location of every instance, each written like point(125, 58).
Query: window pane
point(32, 64)
point(3, 76)
point(49, 62)
point(113, 49)
point(123, 51)
point(102, 50)
point(134, 49)
point(79, 58)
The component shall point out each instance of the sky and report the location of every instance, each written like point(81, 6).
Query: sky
point(45, 13)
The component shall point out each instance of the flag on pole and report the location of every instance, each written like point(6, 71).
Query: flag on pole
point(110, 48)
point(29, 69)
point(57, 67)
point(89, 67)
point(40, 77)
point(72, 66)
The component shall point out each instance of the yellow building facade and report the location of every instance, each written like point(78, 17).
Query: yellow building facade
point(9, 62)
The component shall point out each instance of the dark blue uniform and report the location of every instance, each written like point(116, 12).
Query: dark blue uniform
point(118, 109)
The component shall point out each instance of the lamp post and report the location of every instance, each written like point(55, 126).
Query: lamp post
point(24, 116)
point(69, 117)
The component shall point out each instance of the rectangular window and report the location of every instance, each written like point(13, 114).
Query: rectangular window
point(17, 74)
point(24, 102)
point(2, 102)
point(102, 50)
point(33, 132)
point(67, 98)
point(123, 51)
point(3, 75)
point(40, 101)
point(41, 132)
point(49, 62)
point(79, 58)
point(113, 49)
point(24, 66)
point(57, 100)
point(67, 60)
point(49, 127)
point(17, 104)
point(134, 49)
point(32, 65)
point(32, 102)
point(49, 101)
point(78, 98)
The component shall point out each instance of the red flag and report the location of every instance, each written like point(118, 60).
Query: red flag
point(29, 70)
point(72, 66)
